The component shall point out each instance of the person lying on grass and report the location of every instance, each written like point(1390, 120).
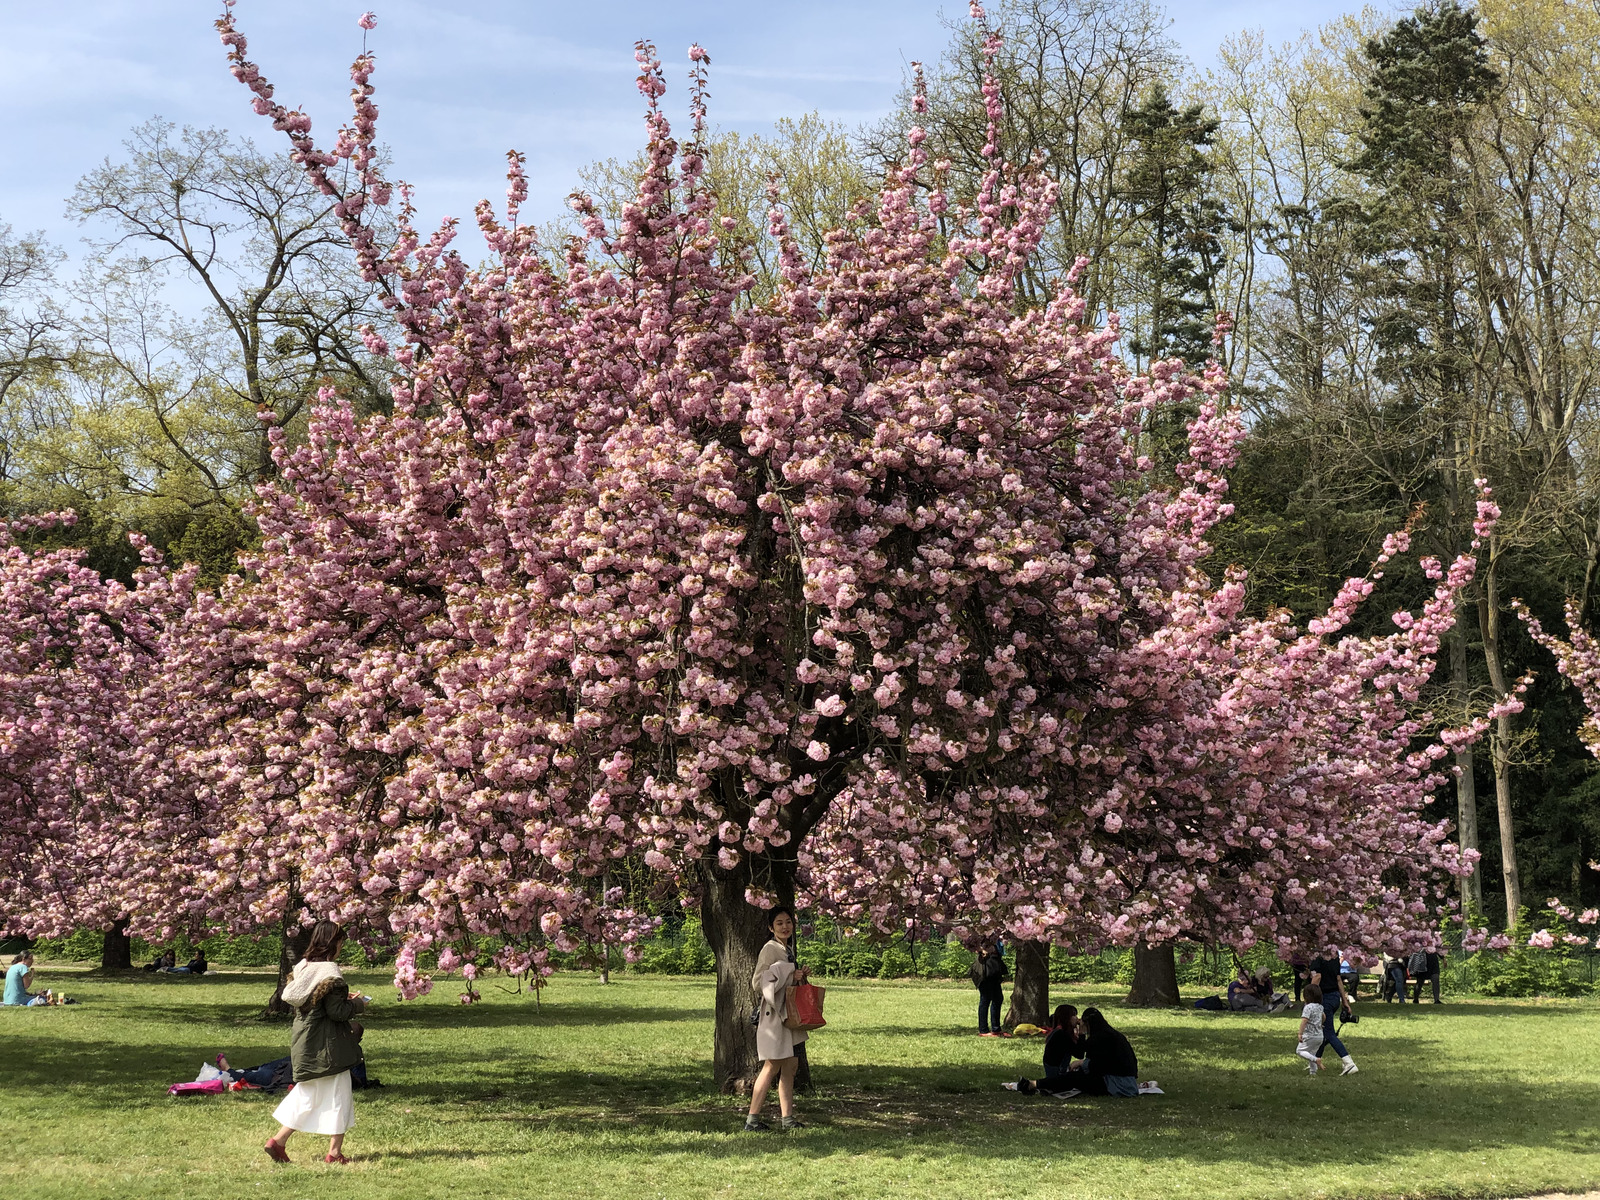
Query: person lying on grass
point(1109, 1067)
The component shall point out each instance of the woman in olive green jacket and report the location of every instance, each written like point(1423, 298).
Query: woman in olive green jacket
point(322, 1049)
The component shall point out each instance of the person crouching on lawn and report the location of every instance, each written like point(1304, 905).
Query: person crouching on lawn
point(322, 1049)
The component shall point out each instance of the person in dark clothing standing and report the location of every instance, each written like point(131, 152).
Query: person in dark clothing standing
point(988, 973)
point(1065, 1042)
point(1110, 1067)
point(1423, 966)
point(1325, 973)
point(1300, 971)
point(1394, 979)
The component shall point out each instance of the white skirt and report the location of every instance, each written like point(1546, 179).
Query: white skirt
point(318, 1105)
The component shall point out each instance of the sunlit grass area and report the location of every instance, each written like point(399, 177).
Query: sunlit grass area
point(604, 1091)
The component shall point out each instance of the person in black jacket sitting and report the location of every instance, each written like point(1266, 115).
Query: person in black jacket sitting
point(1065, 1042)
point(1110, 1067)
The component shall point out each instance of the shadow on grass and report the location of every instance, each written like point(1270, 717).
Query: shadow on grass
point(1234, 1092)
point(1245, 1101)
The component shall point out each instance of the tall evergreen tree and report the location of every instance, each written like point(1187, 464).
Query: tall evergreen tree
point(1429, 75)
point(1177, 225)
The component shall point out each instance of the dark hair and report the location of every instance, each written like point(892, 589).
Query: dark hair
point(325, 939)
point(1312, 993)
point(1095, 1022)
point(1063, 1014)
point(781, 910)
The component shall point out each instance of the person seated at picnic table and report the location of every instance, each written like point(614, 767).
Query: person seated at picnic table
point(1065, 1042)
point(1350, 975)
point(1110, 1067)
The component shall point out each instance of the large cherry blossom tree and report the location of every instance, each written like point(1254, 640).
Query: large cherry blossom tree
point(639, 567)
point(863, 589)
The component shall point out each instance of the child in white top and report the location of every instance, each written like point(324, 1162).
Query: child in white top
point(1311, 1018)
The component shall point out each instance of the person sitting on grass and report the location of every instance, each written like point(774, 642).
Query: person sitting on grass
point(1242, 995)
point(19, 978)
point(195, 966)
point(1110, 1067)
point(1065, 1042)
point(1264, 984)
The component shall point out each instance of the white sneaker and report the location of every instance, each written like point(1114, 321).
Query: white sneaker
point(1350, 1068)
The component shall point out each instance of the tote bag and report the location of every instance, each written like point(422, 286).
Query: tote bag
point(802, 1007)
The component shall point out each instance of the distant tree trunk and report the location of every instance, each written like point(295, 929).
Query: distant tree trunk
point(1030, 989)
point(1501, 738)
point(1155, 977)
point(117, 953)
point(736, 931)
point(296, 937)
point(1466, 778)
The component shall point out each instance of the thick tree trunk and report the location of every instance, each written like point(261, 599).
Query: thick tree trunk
point(1500, 741)
point(736, 931)
point(296, 937)
point(1030, 988)
point(1155, 977)
point(117, 953)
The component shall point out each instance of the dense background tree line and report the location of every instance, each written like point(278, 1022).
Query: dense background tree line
point(1403, 216)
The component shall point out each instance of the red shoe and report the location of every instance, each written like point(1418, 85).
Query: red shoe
point(276, 1152)
point(334, 1158)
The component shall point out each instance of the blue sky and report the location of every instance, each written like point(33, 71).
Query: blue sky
point(460, 83)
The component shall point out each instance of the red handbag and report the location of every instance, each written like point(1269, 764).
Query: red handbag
point(802, 1007)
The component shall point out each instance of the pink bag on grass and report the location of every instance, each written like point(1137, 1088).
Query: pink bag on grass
point(210, 1087)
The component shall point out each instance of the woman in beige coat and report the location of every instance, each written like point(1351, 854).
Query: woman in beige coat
point(775, 1042)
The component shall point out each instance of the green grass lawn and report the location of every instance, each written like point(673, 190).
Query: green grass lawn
point(605, 1093)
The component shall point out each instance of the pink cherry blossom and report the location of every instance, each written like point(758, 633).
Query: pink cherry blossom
point(863, 590)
